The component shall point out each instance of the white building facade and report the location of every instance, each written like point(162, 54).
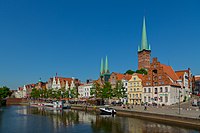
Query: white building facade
point(161, 95)
point(84, 90)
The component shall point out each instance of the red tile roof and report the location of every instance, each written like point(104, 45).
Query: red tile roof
point(122, 76)
point(196, 78)
point(170, 72)
point(141, 76)
point(180, 74)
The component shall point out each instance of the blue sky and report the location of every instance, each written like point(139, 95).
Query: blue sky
point(41, 37)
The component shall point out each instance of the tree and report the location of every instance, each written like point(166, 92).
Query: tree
point(129, 72)
point(74, 93)
point(107, 90)
point(4, 92)
point(119, 90)
point(142, 71)
point(35, 93)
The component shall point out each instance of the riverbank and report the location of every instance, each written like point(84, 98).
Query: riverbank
point(17, 101)
point(181, 120)
point(161, 115)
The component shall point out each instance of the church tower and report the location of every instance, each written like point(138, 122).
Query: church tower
point(144, 51)
point(105, 72)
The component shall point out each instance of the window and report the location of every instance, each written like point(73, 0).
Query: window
point(155, 98)
point(145, 99)
point(130, 95)
point(133, 95)
point(166, 89)
point(137, 89)
point(145, 90)
point(161, 99)
point(140, 95)
point(166, 99)
point(134, 89)
point(136, 95)
point(149, 78)
point(131, 89)
point(161, 89)
point(134, 78)
point(160, 77)
point(149, 99)
point(149, 90)
point(156, 90)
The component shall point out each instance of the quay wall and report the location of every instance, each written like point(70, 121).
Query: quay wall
point(16, 101)
point(161, 118)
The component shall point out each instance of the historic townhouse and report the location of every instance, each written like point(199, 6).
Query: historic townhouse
point(184, 80)
point(135, 89)
point(196, 84)
point(124, 78)
point(61, 82)
point(84, 90)
point(160, 85)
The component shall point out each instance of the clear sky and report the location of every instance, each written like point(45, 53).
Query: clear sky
point(39, 38)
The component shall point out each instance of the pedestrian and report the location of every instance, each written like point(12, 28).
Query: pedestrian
point(145, 106)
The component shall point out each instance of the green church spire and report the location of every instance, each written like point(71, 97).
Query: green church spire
point(106, 65)
point(144, 43)
point(102, 66)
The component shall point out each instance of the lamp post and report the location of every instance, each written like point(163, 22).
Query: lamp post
point(179, 111)
point(189, 99)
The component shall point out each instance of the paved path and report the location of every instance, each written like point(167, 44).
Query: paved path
point(165, 111)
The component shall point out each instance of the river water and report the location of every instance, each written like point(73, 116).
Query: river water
point(25, 119)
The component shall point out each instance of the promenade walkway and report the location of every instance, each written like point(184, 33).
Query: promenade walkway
point(167, 110)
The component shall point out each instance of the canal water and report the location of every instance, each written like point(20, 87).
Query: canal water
point(25, 119)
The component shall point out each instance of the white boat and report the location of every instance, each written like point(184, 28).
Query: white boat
point(54, 105)
point(107, 111)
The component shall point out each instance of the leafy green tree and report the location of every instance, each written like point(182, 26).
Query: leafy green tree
point(130, 72)
point(74, 93)
point(107, 90)
point(142, 71)
point(4, 92)
point(35, 93)
point(93, 91)
point(119, 90)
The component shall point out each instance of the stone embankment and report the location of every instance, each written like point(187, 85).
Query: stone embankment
point(161, 116)
point(16, 101)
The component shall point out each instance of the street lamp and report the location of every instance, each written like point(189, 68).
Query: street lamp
point(179, 111)
point(189, 98)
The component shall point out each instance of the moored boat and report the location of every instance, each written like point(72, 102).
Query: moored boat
point(54, 105)
point(107, 111)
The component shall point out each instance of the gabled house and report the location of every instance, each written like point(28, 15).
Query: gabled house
point(135, 89)
point(160, 85)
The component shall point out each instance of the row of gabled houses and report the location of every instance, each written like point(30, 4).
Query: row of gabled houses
point(161, 85)
point(54, 83)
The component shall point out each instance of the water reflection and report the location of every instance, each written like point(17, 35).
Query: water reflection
point(79, 121)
